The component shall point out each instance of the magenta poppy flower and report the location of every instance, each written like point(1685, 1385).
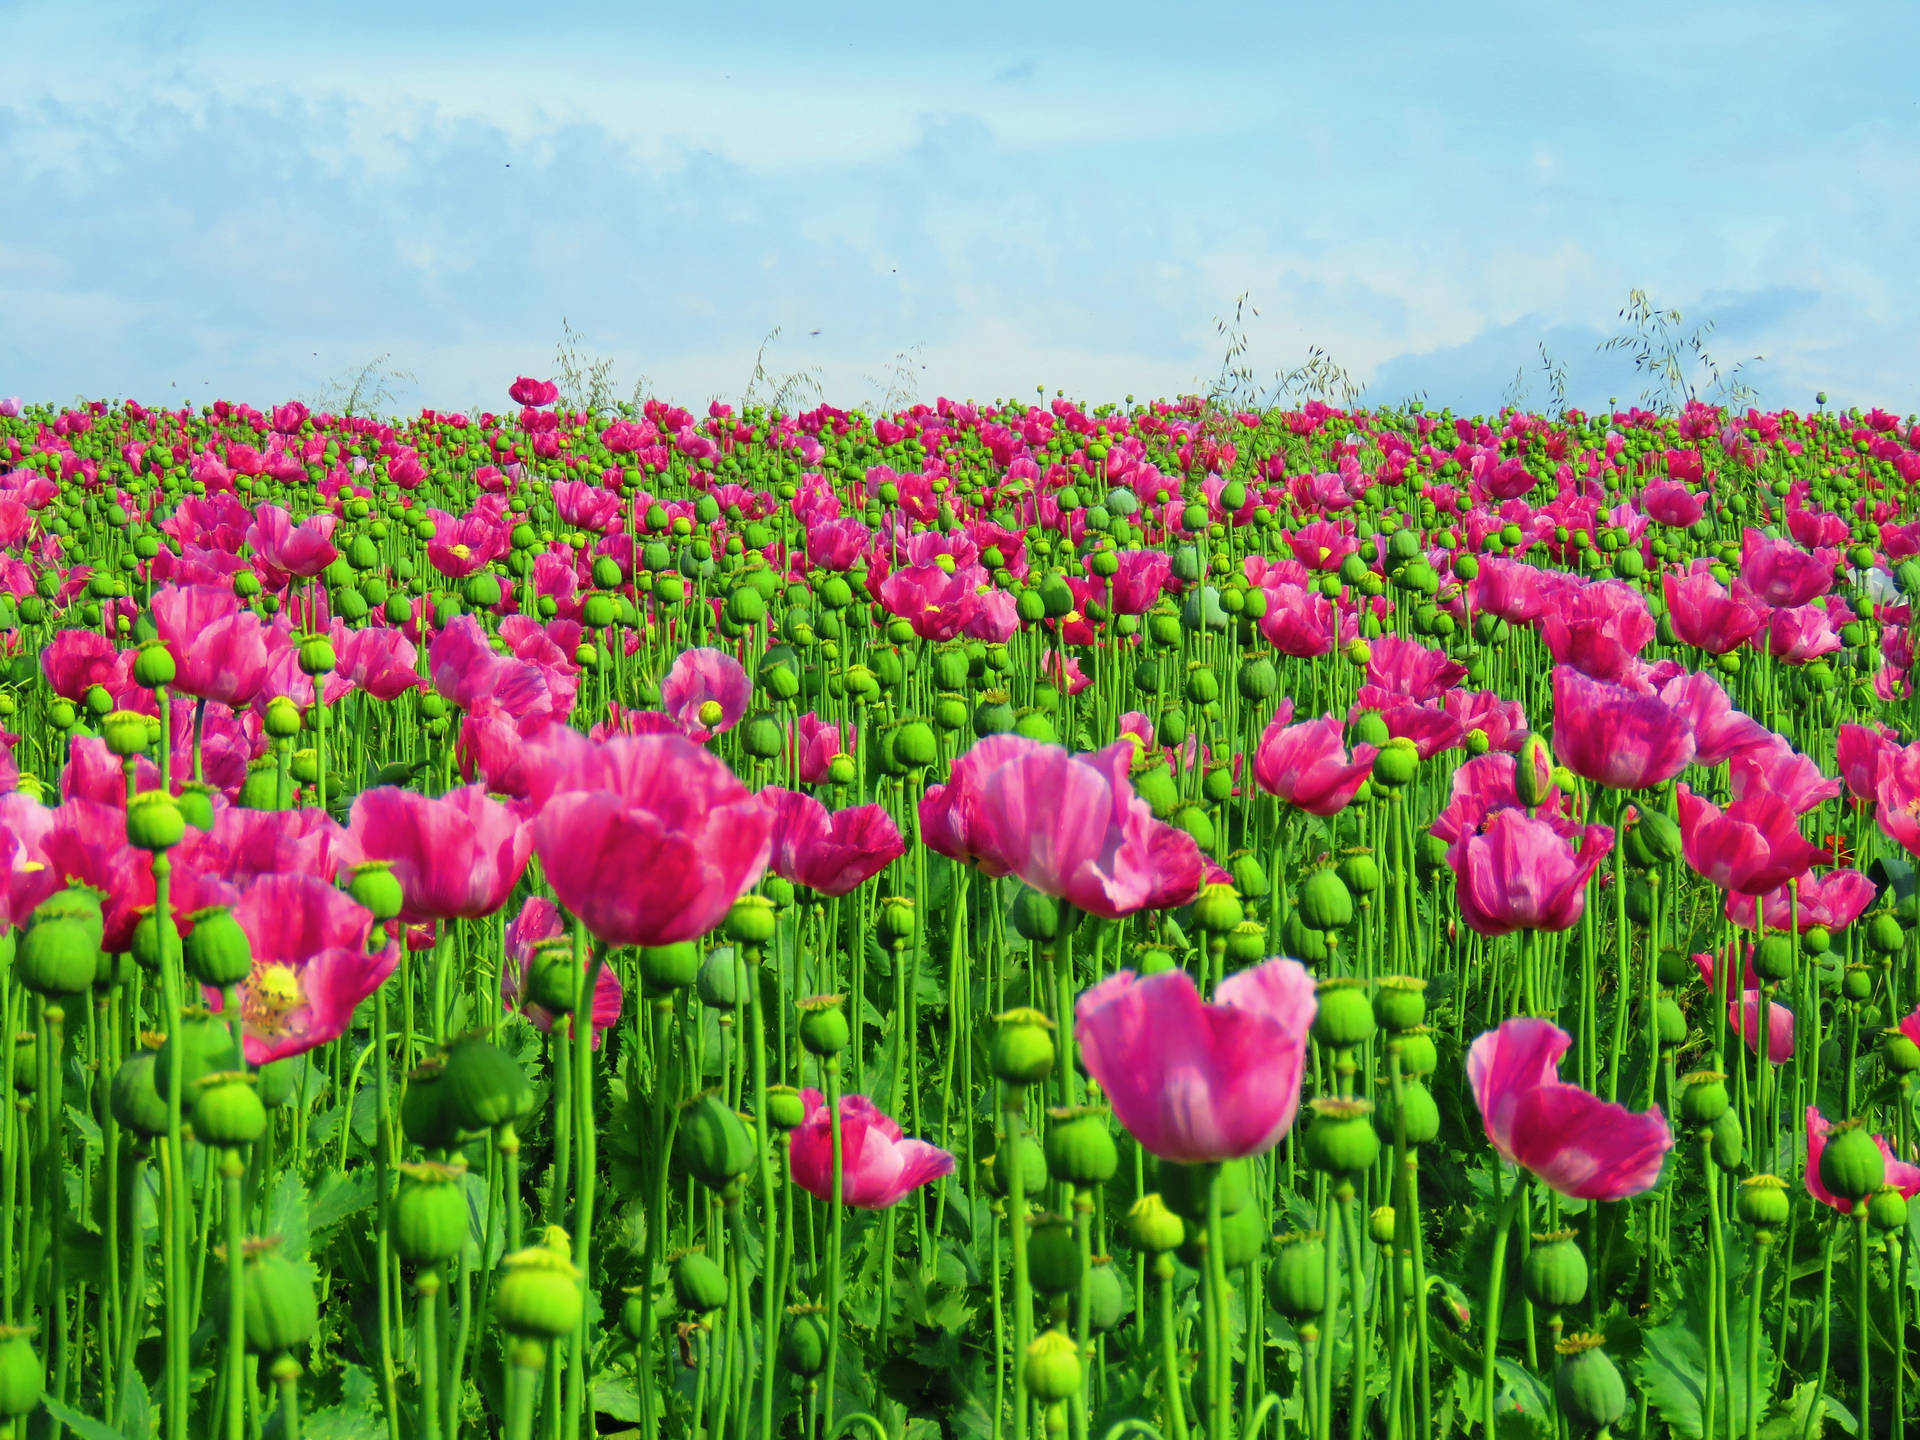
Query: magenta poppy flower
point(1909, 1025)
point(1898, 794)
point(380, 661)
point(1199, 1083)
point(1743, 1014)
point(1298, 622)
point(1520, 873)
point(1670, 503)
point(458, 856)
point(245, 844)
point(1616, 736)
point(465, 669)
point(540, 919)
point(219, 649)
point(1430, 727)
point(1773, 767)
point(87, 845)
point(1600, 629)
point(74, 661)
point(1140, 580)
point(1502, 721)
point(1833, 901)
point(1071, 827)
point(1801, 634)
point(706, 692)
point(1704, 613)
point(1861, 752)
point(1753, 846)
point(831, 851)
point(1719, 731)
point(937, 604)
point(1582, 1146)
point(948, 822)
point(1780, 572)
point(1903, 1177)
point(1307, 766)
point(528, 391)
point(814, 743)
point(287, 549)
point(648, 839)
point(1489, 783)
point(878, 1165)
point(1405, 667)
point(310, 965)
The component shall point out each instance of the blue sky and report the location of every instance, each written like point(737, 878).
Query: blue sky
point(222, 199)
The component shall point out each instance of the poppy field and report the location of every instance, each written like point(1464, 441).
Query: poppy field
point(978, 922)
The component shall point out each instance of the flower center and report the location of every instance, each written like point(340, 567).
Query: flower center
point(711, 714)
point(272, 994)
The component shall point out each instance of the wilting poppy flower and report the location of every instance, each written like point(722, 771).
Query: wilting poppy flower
point(1198, 1083)
point(878, 1165)
point(1584, 1147)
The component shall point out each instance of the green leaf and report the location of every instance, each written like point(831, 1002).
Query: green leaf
point(288, 1215)
point(136, 1409)
point(85, 1426)
point(1672, 1370)
point(337, 1197)
point(83, 1125)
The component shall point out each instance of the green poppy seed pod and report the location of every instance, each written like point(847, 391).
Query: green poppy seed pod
point(136, 1100)
point(1297, 1279)
point(279, 1310)
point(1901, 1054)
point(1325, 902)
point(1105, 1295)
point(915, 746)
point(1380, 1225)
point(1154, 1226)
point(722, 981)
point(1359, 873)
point(1419, 1056)
point(482, 1085)
point(1555, 1272)
point(316, 656)
point(1658, 836)
point(1885, 935)
point(993, 716)
point(1022, 1049)
point(125, 732)
point(153, 665)
point(1344, 1018)
point(1400, 1003)
point(1532, 775)
point(539, 1295)
point(306, 765)
point(1341, 1140)
point(1856, 983)
point(1851, 1165)
point(1257, 679)
point(1247, 942)
point(1396, 764)
point(1028, 1157)
point(1243, 1235)
point(1249, 875)
point(950, 713)
point(786, 1109)
point(1217, 909)
point(1762, 1202)
point(713, 1142)
point(1186, 1188)
point(1773, 958)
point(275, 1080)
point(1588, 1383)
point(217, 950)
point(1052, 1368)
point(666, 968)
point(430, 1217)
point(1192, 817)
point(283, 718)
point(196, 804)
point(205, 1047)
point(482, 590)
point(426, 1114)
point(823, 1024)
point(1053, 1255)
point(1036, 916)
point(598, 611)
point(227, 1110)
point(1671, 1022)
point(1727, 1142)
point(1416, 1110)
point(23, 1377)
point(154, 821)
point(803, 1343)
point(761, 737)
point(699, 1284)
point(1079, 1147)
point(59, 955)
point(1703, 1098)
point(897, 922)
point(1887, 1210)
point(553, 976)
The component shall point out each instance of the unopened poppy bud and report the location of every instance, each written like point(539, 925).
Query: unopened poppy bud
point(1533, 772)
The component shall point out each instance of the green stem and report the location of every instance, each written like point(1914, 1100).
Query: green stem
point(1496, 1281)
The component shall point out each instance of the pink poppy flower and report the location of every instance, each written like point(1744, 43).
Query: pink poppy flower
point(540, 919)
point(706, 692)
point(879, 1166)
point(1307, 765)
point(833, 852)
point(1743, 1014)
point(1903, 1177)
